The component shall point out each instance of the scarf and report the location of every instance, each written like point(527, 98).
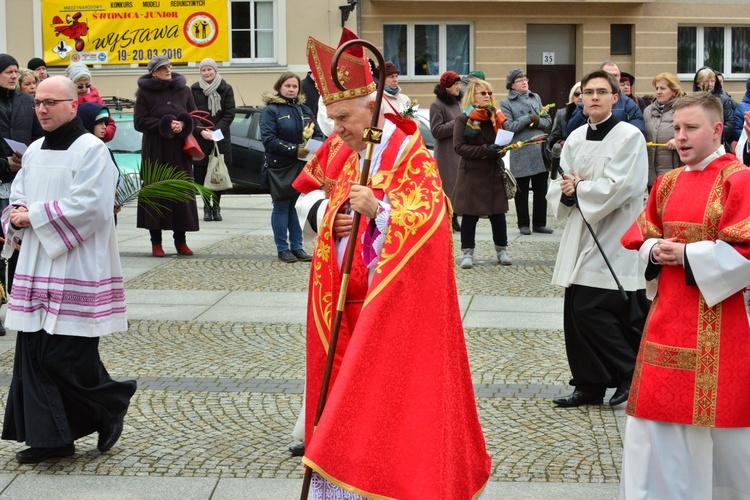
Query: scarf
point(209, 90)
point(478, 114)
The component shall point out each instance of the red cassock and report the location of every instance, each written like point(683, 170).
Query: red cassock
point(401, 419)
point(693, 366)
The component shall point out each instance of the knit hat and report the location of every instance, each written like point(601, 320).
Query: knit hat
point(35, 63)
point(7, 60)
point(448, 78)
point(512, 76)
point(478, 73)
point(92, 113)
point(208, 62)
point(76, 71)
point(157, 62)
point(391, 68)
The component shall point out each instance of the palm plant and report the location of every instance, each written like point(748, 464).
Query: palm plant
point(157, 184)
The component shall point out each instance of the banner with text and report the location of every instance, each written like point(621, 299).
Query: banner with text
point(127, 32)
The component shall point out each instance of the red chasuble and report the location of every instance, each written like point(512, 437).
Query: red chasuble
point(401, 419)
point(693, 366)
point(324, 167)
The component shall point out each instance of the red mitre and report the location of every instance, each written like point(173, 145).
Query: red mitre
point(353, 70)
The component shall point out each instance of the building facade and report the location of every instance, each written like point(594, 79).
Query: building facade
point(256, 40)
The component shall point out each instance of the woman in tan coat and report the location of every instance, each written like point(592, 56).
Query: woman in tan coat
point(479, 186)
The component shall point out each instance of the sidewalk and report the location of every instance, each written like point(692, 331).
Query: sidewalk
point(216, 342)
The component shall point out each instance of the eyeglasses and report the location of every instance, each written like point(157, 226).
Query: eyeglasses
point(82, 86)
point(576, 94)
point(602, 92)
point(49, 103)
point(483, 93)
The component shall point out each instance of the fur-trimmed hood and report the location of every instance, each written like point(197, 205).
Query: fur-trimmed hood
point(269, 98)
point(148, 82)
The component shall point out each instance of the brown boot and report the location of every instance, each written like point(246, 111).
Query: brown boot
point(183, 249)
point(157, 250)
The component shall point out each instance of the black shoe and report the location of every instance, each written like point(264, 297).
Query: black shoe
point(287, 256)
point(302, 256)
point(543, 230)
point(2, 330)
point(217, 213)
point(208, 214)
point(578, 398)
point(620, 396)
point(110, 432)
point(36, 455)
point(297, 450)
point(525, 230)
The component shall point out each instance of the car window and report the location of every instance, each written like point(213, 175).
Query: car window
point(127, 139)
point(241, 125)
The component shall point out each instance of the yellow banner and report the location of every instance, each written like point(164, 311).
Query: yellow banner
point(126, 32)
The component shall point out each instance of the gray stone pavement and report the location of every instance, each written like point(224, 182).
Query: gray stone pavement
point(216, 342)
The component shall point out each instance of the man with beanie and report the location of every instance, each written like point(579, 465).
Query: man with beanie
point(523, 110)
point(38, 66)
point(70, 288)
point(17, 122)
point(395, 101)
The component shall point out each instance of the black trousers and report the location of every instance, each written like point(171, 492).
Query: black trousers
point(60, 390)
point(469, 230)
point(539, 187)
point(602, 336)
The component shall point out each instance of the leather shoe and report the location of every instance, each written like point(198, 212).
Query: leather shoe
point(543, 229)
point(525, 230)
point(2, 330)
point(297, 450)
point(110, 432)
point(302, 256)
point(157, 250)
point(578, 398)
point(287, 256)
point(620, 396)
point(36, 455)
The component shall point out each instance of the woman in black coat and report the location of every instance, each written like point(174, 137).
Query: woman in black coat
point(162, 114)
point(213, 94)
point(282, 125)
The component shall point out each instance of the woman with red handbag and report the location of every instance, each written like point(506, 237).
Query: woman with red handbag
point(162, 113)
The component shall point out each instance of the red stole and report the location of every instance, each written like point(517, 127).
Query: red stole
point(324, 167)
point(401, 419)
point(692, 367)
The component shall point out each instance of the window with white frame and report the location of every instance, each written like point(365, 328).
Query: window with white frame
point(724, 48)
point(254, 29)
point(423, 51)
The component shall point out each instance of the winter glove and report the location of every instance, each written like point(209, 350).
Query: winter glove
point(534, 120)
point(302, 152)
point(493, 152)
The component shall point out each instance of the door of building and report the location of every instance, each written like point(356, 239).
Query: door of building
point(550, 61)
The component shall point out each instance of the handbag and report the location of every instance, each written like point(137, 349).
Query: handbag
point(217, 174)
point(280, 180)
point(191, 146)
point(509, 183)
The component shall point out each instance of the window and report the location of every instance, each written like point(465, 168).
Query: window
point(422, 50)
point(254, 26)
point(621, 39)
point(724, 48)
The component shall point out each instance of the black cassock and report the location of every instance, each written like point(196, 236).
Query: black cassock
point(60, 390)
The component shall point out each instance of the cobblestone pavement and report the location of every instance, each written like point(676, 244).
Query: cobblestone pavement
point(219, 399)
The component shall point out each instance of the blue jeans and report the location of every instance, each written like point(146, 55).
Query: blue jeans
point(283, 220)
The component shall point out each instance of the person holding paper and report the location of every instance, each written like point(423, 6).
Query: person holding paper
point(527, 119)
point(480, 191)
point(213, 94)
point(18, 123)
point(286, 124)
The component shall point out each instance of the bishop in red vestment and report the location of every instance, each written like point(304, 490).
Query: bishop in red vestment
point(401, 418)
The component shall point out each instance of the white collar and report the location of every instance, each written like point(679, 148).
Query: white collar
point(708, 159)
